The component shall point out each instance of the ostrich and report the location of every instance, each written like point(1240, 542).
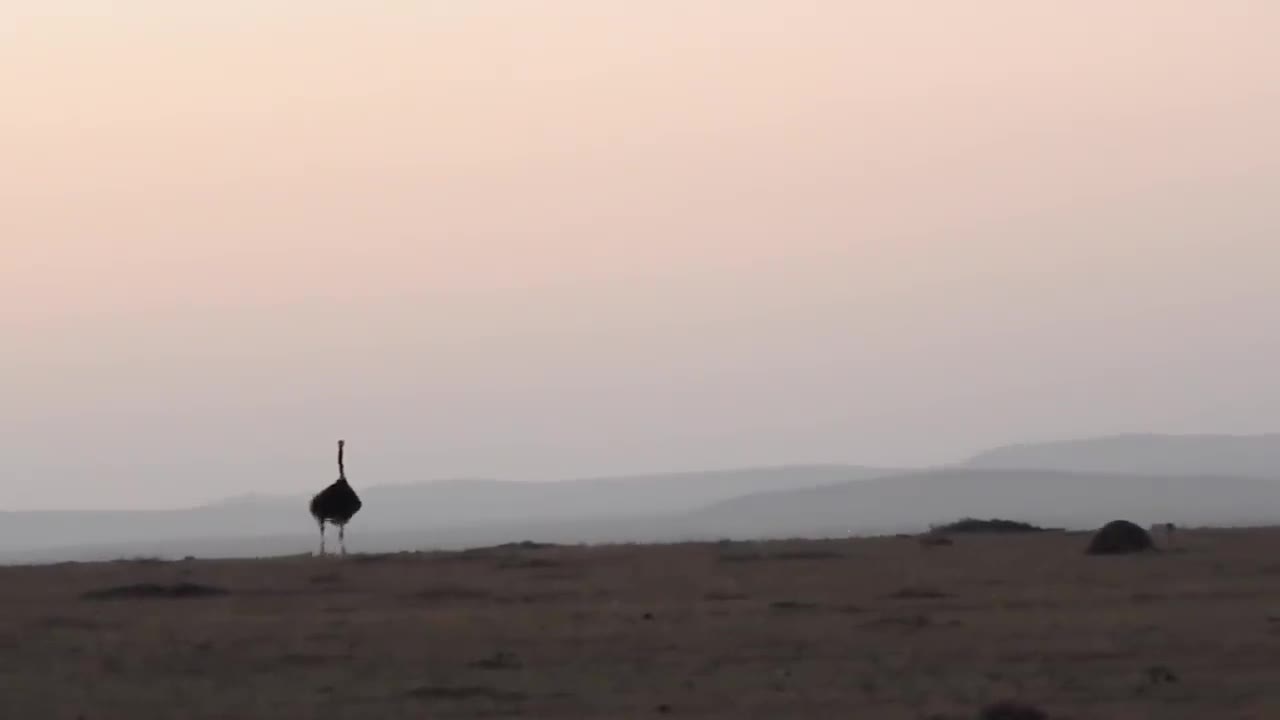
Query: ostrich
point(336, 504)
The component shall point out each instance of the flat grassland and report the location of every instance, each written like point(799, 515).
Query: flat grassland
point(863, 628)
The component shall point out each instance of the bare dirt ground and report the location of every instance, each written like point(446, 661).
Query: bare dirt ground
point(873, 628)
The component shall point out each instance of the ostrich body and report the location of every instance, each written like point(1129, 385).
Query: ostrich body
point(336, 504)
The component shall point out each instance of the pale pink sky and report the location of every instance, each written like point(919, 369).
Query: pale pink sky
point(535, 239)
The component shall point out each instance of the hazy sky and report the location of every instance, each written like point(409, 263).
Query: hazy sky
point(544, 238)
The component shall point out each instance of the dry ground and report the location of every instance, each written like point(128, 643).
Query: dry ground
point(873, 628)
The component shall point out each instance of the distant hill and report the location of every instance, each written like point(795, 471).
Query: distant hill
point(1255, 456)
point(434, 511)
point(470, 502)
point(906, 502)
point(911, 502)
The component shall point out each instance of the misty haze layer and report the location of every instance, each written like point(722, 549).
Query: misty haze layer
point(1076, 485)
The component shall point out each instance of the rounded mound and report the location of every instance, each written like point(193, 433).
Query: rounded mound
point(1119, 537)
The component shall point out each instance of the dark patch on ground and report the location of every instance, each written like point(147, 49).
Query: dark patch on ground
point(451, 593)
point(465, 692)
point(792, 605)
point(153, 590)
point(500, 660)
point(1009, 710)
point(919, 593)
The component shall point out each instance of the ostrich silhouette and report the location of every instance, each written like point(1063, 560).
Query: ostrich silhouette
point(336, 504)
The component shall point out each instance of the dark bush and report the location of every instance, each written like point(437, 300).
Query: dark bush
point(1118, 537)
point(994, 525)
point(527, 545)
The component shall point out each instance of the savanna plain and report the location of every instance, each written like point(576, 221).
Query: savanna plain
point(886, 627)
